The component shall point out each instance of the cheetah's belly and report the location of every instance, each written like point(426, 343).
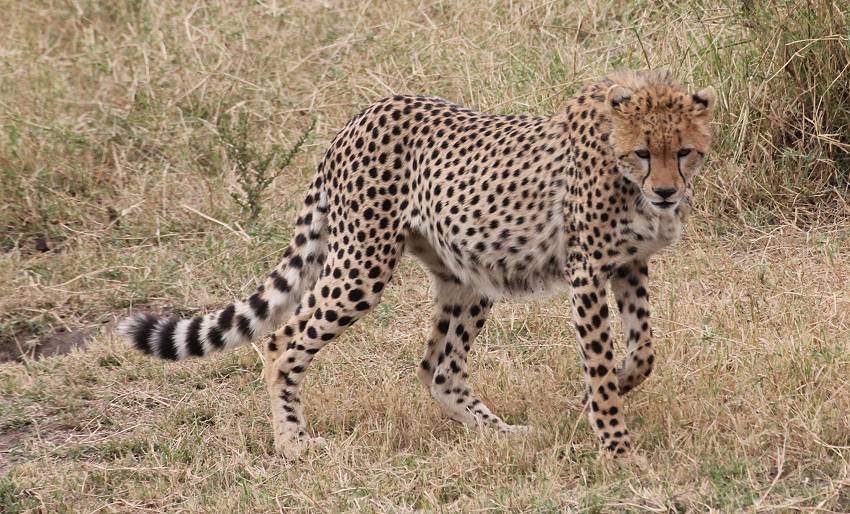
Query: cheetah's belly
point(519, 262)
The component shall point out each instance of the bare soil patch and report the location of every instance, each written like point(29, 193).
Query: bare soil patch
point(25, 344)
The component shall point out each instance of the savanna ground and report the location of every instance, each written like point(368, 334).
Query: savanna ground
point(141, 166)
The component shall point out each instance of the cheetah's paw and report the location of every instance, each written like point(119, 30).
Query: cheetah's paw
point(291, 448)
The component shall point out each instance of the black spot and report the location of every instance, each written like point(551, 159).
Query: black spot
point(279, 282)
point(259, 305)
point(225, 319)
point(166, 343)
point(141, 331)
point(244, 326)
point(193, 337)
point(215, 338)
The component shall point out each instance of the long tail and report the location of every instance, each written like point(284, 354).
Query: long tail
point(245, 320)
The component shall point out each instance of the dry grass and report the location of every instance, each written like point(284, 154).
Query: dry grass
point(109, 153)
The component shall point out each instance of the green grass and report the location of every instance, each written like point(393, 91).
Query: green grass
point(111, 155)
point(12, 499)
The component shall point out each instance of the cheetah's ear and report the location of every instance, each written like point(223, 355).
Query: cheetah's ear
point(617, 96)
point(704, 101)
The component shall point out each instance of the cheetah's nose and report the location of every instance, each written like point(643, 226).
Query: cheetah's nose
point(664, 192)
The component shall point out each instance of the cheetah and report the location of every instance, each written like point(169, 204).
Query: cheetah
point(493, 206)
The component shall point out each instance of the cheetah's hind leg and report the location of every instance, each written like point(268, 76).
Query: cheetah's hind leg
point(333, 305)
point(459, 315)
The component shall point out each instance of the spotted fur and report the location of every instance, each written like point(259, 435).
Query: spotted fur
point(493, 206)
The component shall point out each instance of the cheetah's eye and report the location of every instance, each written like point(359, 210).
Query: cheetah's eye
point(684, 152)
point(643, 154)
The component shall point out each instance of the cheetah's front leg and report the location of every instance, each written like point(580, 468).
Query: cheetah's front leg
point(629, 286)
point(590, 312)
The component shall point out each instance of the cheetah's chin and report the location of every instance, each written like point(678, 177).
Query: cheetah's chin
point(664, 205)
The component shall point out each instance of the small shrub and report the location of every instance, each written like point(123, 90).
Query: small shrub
point(255, 168)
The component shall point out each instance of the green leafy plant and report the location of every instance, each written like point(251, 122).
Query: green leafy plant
point(255, 167)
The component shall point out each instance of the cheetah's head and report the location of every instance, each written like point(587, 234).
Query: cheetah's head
point(660, 135)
